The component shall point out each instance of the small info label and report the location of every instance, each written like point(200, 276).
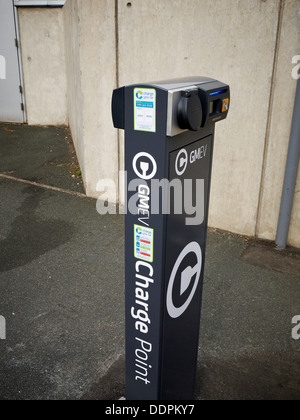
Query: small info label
point(143, 243)
point(145, 110)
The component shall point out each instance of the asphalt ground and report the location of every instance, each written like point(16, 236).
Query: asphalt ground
point(62, 291)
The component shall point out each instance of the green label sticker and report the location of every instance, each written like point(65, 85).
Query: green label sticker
point(143, 243)
point(145, 110)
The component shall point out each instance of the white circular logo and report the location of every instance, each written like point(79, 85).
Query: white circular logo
point(186, 279)
point(142, 166)
point(181, 162)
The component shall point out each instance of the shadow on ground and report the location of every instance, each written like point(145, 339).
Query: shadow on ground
point(265, 377)
point(111, 386)
point(31, 236)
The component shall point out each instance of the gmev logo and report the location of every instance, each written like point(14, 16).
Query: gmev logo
point(296, 69)
point(296, 329)
point(2, 68)
point(186, 277)
point(2, 328)
point(144, 166)
point(181, 162)
point(183, 159)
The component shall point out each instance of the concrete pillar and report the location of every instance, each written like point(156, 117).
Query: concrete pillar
point(91, 69)
point(280, 128)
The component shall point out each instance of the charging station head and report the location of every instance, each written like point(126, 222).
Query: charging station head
point(190, 111)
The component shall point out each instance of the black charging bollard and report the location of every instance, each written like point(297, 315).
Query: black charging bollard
point(169, 139)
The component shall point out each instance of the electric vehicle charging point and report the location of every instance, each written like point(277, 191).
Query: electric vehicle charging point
point(169, 140)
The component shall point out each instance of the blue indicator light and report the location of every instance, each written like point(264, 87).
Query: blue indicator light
point(217, 93)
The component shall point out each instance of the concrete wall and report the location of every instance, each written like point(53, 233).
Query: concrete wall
point(43, 56)
point(91, 69)
point(279, 131)
point(248, 44)
point(74, 88)
point(233, 41)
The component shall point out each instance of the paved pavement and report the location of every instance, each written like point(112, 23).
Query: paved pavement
point(62, 292)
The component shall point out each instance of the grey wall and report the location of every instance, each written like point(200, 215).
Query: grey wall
point(248, 44)
point(44, 65)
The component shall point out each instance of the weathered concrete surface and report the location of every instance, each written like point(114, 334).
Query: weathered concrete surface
point(280, 128)
point(62, 294)
point(246, 351)
point(44, 155)
point(232, 41)
point(74, 89)
point(265, 255)
point(44, 65)
point(91, 63)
